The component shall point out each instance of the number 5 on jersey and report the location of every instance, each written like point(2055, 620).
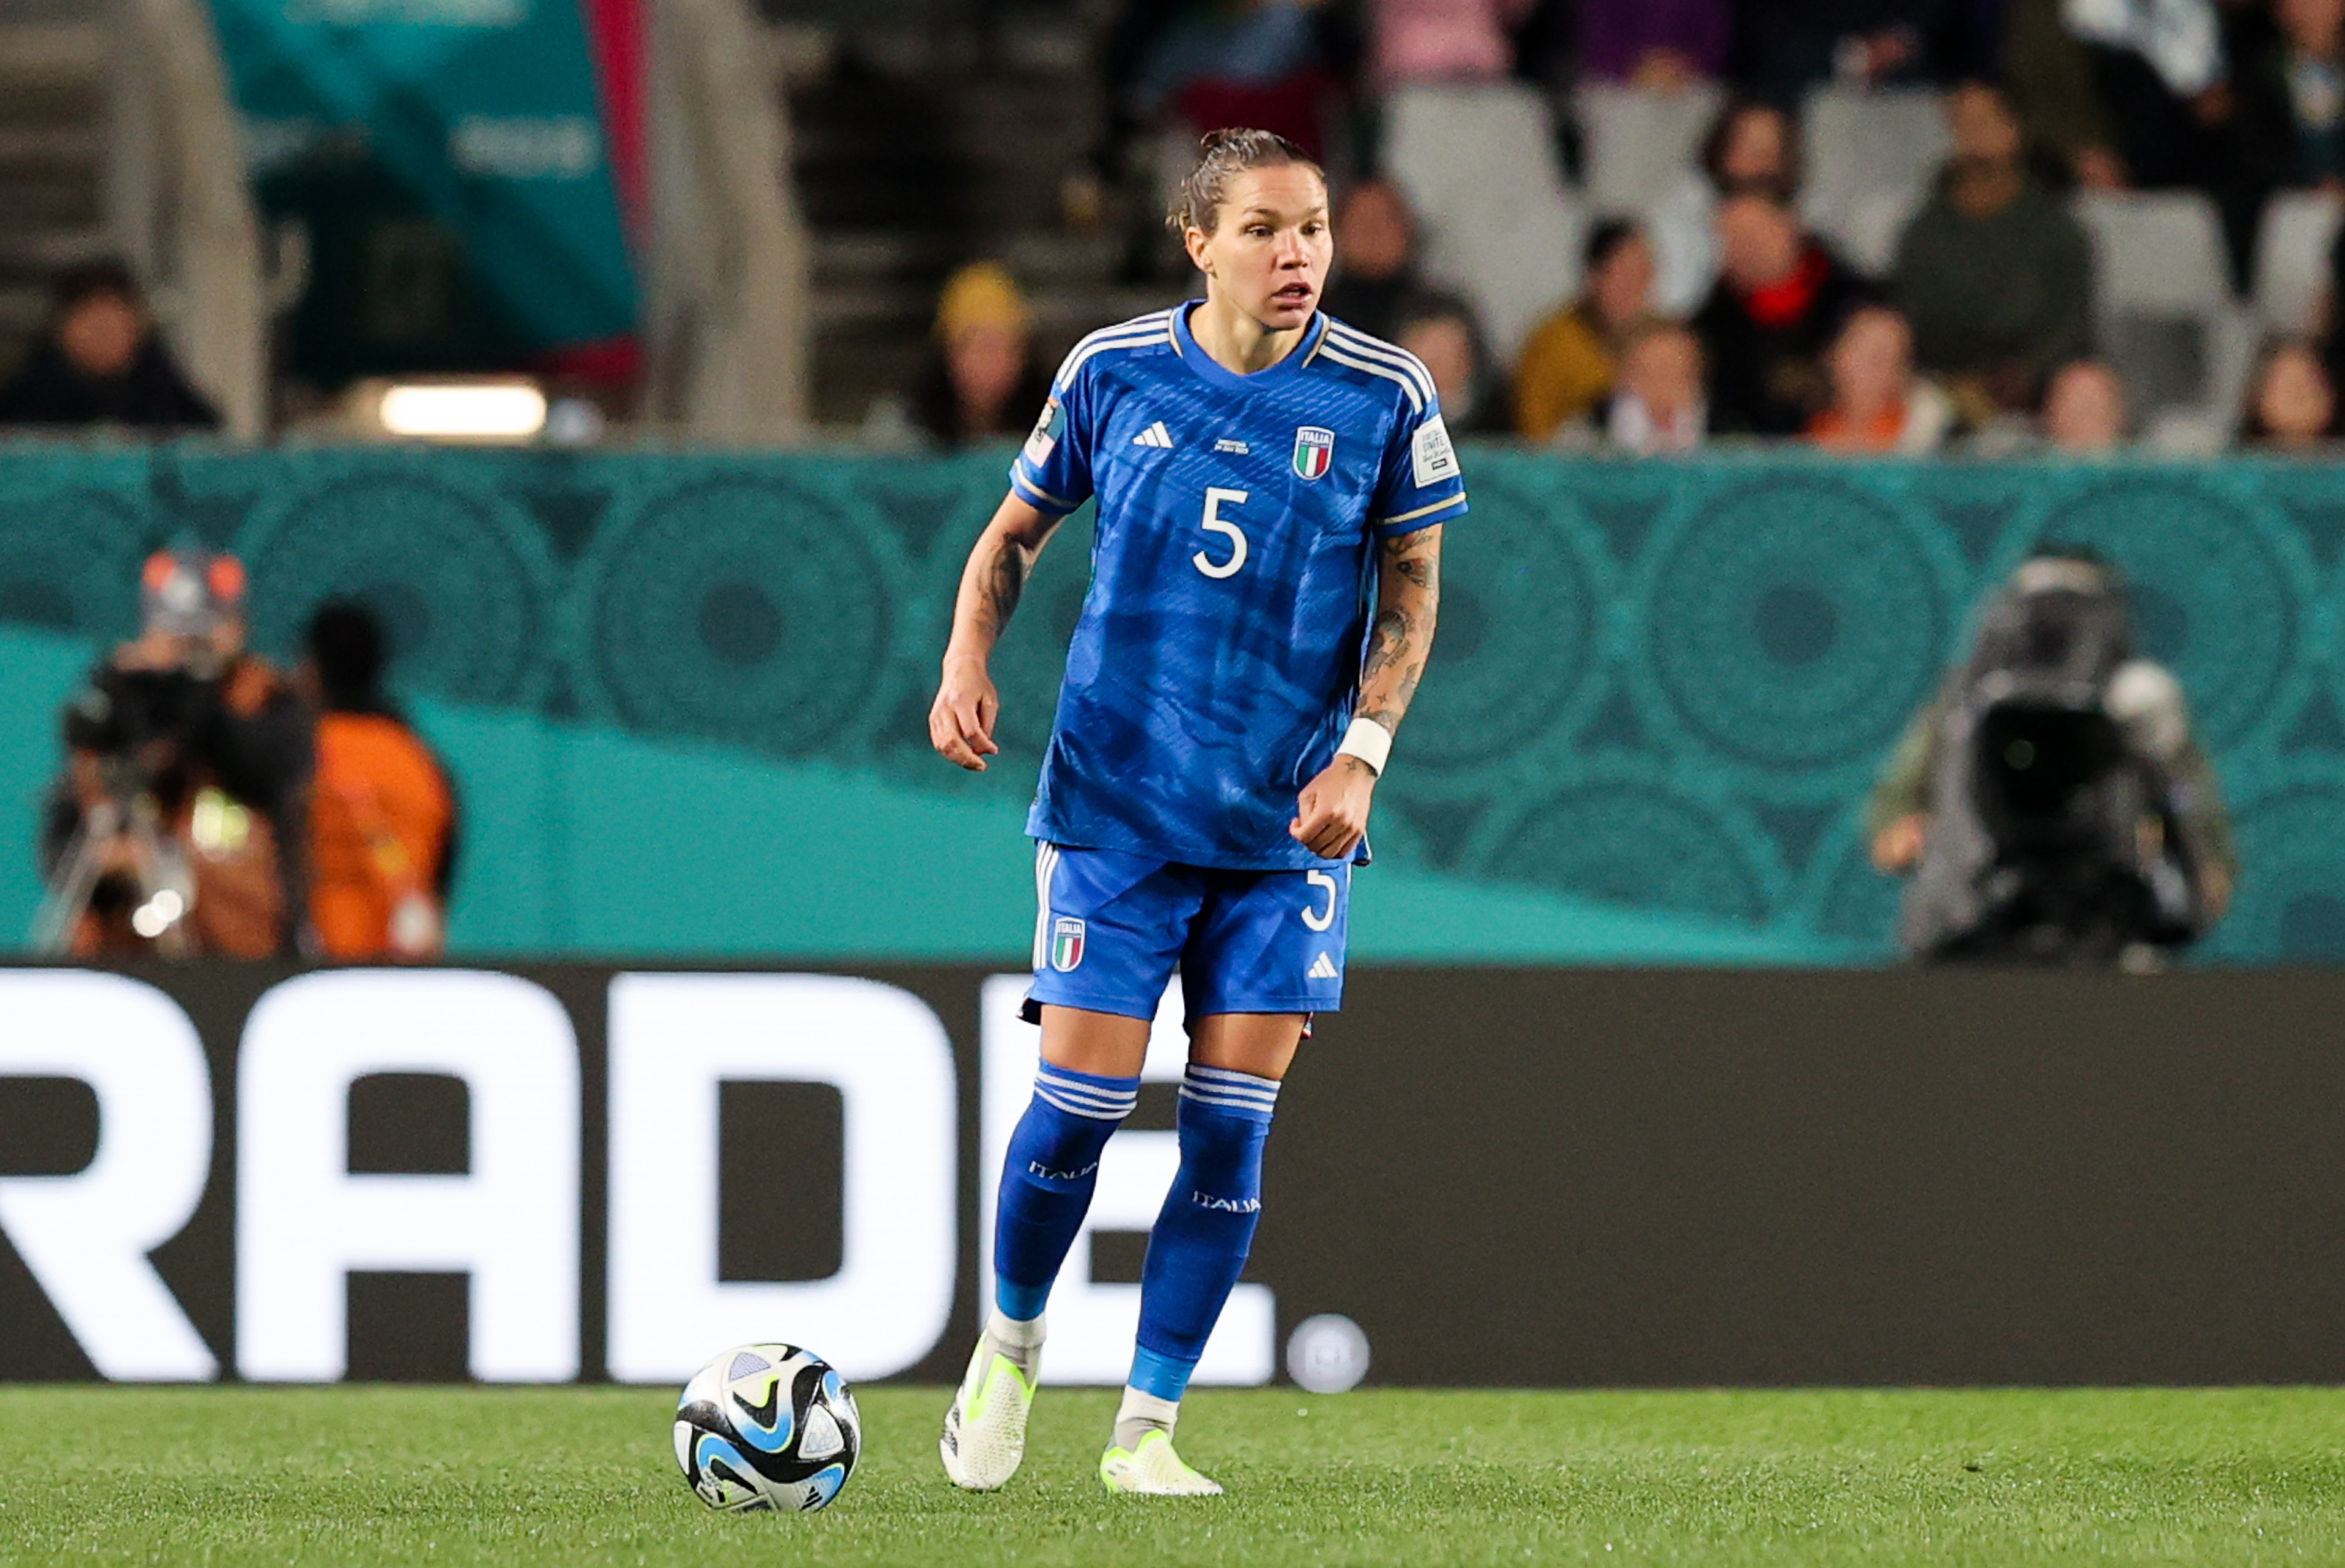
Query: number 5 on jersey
point(1215, 499)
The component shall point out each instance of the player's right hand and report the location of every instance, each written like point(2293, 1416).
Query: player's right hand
point(960, 721)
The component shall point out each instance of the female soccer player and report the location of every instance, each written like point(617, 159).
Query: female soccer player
point(1227, 710)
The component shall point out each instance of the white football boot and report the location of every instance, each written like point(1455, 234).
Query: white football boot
point(985, 1431)
point(1153, 1469)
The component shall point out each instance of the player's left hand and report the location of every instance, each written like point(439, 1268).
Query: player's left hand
point(1331, 815)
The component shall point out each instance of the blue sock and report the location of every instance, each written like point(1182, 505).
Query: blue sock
point(1199, 1247)
point(1047, 1180)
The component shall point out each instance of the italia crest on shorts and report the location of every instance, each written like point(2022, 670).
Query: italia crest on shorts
point(1314, 451)
point(1066, 945)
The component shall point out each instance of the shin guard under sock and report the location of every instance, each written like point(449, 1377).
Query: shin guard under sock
point(1047, 1179)
point(1198, 1246)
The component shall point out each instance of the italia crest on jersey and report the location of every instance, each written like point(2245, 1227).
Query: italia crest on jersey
point(1314, 451)
point(1067, 944)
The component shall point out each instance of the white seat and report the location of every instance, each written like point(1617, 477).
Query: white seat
point(1477, 162)
point(2292, 273)
point(1871, 158)
point(2167, 320)
point(1637, 146)
point(2160, 251)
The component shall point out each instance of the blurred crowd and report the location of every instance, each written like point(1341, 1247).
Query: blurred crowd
point(1718, 305)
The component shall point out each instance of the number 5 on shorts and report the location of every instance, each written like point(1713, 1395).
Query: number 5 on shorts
point(1320, 919)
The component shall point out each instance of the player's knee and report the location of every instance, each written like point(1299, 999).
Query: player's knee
point(1224, 1121)
point(1059, 1140)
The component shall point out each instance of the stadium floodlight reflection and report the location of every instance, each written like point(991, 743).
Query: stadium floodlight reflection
point(498, 411)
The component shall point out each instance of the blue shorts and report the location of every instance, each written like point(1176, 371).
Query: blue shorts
point(1114, 926)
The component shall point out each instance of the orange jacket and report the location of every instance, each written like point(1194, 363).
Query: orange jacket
point(380, 815)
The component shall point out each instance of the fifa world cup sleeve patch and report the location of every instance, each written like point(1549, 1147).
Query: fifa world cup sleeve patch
point(1434, 459)
point(1049, 428)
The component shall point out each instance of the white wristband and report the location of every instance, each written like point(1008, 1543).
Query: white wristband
point(1368, 741)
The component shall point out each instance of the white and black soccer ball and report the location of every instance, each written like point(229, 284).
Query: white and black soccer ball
point(768, 1427)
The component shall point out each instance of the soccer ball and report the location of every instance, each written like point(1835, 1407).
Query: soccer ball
point(768, 1427)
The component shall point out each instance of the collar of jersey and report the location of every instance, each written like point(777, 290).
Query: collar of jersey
point(1217, 374)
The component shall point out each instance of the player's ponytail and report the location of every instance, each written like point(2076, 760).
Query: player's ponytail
point(1222, 156)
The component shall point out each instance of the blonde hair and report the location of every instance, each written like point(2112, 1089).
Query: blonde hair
point(1222, 156)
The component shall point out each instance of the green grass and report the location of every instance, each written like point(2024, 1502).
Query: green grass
point(580, 1477)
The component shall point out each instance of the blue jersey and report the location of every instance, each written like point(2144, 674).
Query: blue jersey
point(1233, 568)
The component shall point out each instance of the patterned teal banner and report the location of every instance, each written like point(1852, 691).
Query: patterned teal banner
point(1660, 689)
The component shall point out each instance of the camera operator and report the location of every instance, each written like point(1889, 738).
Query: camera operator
point(179, 827)
point(2050, 804)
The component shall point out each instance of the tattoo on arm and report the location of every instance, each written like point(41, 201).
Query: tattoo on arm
point(995, 577)
point(1003, 582)
point(1403, 635)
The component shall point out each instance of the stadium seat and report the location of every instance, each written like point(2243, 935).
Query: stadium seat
point(2292, 259)
point(1478, 165)
point(1871, 158)
point(1638, 145)
point(2166, 319)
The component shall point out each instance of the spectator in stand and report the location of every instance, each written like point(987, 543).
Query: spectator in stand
point(1442, 40)
point(1659, 409)
point(2158, 69)
point(2290, 123)
point(1376, 261)
point(2085, 410)
point(103, 363)
point(1779, 303)
point(382, 814)
point(1660, 46)
point(2162, 71)
point(1439, 329)
point(1567, 364)
point(1879, 406)
point(2048, 77)
point(1753, 149)
point(1993, 273)
point(1788, 46)
point(2291, 403)
point(983, 381)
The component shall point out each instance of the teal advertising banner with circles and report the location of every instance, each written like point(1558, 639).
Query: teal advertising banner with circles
point(1659, 697)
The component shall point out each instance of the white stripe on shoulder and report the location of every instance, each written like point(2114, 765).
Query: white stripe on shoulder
point(1137, 333)
point(1377, 368)
point(1360, 343)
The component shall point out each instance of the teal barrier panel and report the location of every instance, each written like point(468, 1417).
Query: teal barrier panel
point(686, 693)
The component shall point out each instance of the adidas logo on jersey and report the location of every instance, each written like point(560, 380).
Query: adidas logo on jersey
point(1324, 969)
point(1156, 435)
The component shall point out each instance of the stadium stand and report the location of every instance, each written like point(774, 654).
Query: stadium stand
point(1478, 165)
point(2180, 342)
point(115, 139)
point(727, 309)
point(2292, 271)
point(1636, 145)
point(1871, 156)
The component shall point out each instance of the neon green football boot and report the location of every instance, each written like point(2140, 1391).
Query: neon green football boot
point(1153, 1469)
point(985, 1431)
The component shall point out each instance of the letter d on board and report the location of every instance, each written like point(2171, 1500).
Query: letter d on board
point(675, 1038)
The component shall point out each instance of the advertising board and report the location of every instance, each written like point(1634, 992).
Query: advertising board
point(1504, 1177)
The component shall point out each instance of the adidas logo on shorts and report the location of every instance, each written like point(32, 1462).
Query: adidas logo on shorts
point(1324, 969)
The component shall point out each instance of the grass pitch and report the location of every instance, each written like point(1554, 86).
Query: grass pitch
point(576, 1477)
